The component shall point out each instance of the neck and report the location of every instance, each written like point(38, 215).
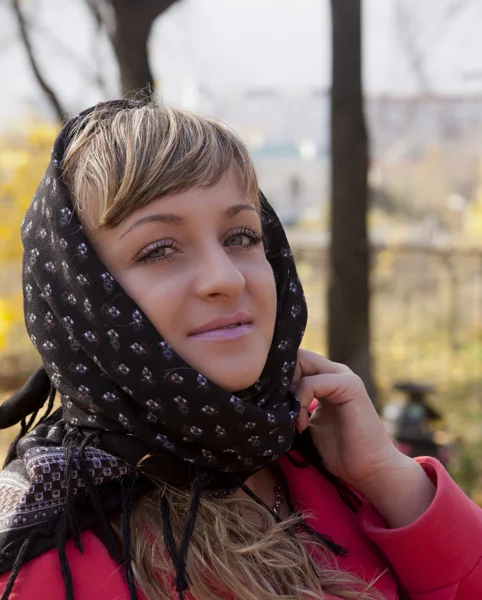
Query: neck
point(263, 484)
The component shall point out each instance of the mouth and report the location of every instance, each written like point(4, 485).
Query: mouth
point(224, 328)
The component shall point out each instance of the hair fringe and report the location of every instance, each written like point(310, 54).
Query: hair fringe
point(123, 158)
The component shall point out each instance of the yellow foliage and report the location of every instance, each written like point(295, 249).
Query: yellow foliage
point(23, 160)
point(11, 313)
point(22, 164)
point(473, 215)
point(474, 220)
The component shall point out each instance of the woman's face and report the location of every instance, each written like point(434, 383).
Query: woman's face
point(195, 264)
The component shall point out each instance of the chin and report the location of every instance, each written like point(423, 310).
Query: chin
point(235, 379)
point(240, 385)
point(232, 371)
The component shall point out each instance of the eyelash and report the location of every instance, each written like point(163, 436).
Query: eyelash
point(255, 237)
point(145, 256)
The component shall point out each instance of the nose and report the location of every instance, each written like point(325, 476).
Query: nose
point(217, 274)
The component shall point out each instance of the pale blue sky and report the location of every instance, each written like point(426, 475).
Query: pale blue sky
point(235, 44)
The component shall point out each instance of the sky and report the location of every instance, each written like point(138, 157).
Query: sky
point(231, 45)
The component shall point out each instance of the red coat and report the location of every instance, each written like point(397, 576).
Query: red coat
point(438, 557)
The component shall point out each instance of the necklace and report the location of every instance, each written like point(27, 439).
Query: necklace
point(278, 499)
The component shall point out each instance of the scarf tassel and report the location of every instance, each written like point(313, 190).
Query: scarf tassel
point(27, 401)
point(17, 565)
point(128, 485)
point(179, 555)
point(60, 543)
point(304, 444)
point(92, 491)
point(325, 540)
point(67, 523)
point(29, 398)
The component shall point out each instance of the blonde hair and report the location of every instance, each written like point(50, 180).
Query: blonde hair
point(117, 160)
point(238, 551)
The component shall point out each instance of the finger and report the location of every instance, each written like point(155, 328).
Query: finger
point(336, 388)
point(302, 420)
point(311, 363)
point(296, 377)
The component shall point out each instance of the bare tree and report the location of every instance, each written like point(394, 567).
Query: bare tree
point(420, 37)
point(128, 25)
point(410, 37)
point(51, 95)
point(349, 292)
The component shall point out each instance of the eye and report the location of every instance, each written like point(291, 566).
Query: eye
point(243, 238)
point(160, 251)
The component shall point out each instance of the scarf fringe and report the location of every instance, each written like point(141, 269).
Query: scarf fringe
point(179, 555)
point(304, 444)
point(27, 401)
point(66, 526)
point(325, 540)
point(60, 543)
point(128, 485)
point(17, 565)
point(107, 533)
point(70, 514)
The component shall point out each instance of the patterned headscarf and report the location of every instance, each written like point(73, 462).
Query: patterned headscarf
point(130, 406)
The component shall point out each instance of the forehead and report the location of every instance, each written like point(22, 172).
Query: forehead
point(223, 199)
point(226, 197)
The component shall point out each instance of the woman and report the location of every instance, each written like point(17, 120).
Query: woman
point(188, 459)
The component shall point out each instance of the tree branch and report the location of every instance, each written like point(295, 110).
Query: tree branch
point(51, 95)
point(144, 10)
point(86, 70)
point(96, 11)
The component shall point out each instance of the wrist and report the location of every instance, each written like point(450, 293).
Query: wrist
point(401, 492)
point(387, 474)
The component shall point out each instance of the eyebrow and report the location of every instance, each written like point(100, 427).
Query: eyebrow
point(171, 219)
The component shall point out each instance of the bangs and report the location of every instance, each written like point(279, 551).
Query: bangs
point(118, 160)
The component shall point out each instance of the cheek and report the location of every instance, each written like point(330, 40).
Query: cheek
point(158, 301)
point(264, 290)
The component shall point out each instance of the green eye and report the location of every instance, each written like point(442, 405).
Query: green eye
point(244, 238)
point(158, 251)
point(238, 240)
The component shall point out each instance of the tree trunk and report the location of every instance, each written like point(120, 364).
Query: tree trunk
point(132, 22)
point(348, 293)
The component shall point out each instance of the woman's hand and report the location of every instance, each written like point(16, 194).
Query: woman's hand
point(353, 442)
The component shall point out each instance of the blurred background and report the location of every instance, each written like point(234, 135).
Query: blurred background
point(365, 123)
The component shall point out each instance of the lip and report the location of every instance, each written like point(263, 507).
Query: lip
point(224, 335)
point(221, 322)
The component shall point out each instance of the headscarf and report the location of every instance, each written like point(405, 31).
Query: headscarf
point(132, 410)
